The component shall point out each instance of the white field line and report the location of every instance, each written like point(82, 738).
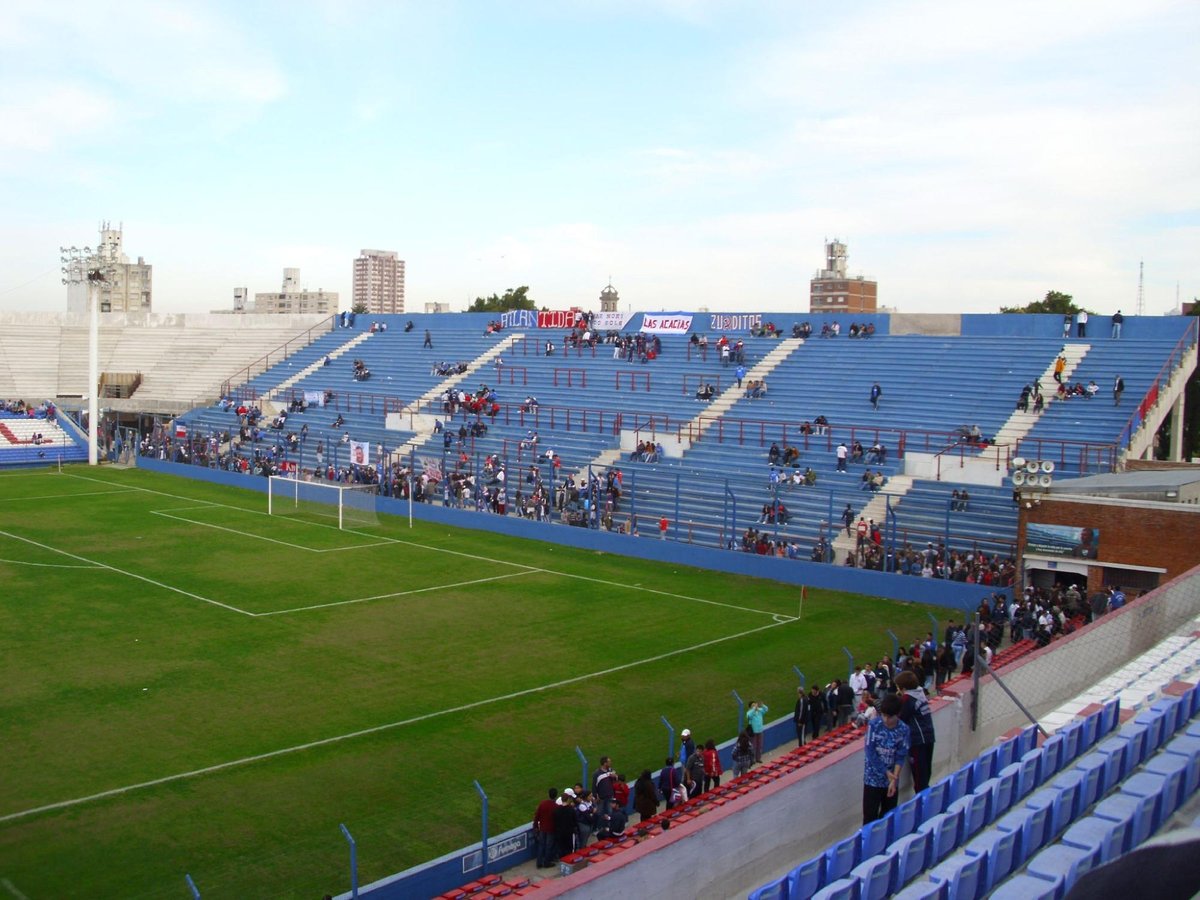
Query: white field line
point(22, 562)
point(424, 590)
point(64, 496)
point(471, 556)
point(128, 574)
point(12, 889)
point(260, 537)
point(424, 717)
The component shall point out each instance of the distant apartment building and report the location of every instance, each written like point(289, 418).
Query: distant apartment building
point(833, 290)
point(291, 299)
point(127, 286)
point(379, 281)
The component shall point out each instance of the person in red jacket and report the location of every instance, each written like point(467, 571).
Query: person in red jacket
point(712, 765)
point(543, 830)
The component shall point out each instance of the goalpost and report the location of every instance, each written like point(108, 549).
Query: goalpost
point(350, 505)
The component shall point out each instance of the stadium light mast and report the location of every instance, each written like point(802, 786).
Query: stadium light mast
point(80, 265)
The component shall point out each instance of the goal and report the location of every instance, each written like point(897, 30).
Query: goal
point(350, 505)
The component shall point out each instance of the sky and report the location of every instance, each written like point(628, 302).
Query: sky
point(697, 152)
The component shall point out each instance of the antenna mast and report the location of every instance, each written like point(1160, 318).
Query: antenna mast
point(1141, 298)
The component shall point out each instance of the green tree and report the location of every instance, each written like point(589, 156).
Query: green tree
point(514, 298)
point(1054, 302)
point(359, 308)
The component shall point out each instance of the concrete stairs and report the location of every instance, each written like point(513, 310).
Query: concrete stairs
point(308, 370)
point(896, 487)
point(1019, 424)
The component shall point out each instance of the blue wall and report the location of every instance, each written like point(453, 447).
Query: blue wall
point(951, 594)
point(1044, 325)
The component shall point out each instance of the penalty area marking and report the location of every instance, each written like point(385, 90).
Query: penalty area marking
point(424, 590)
point(376, 729)
point(25, 562)
point(470, 556)
point(66, 496)
point(12, 889)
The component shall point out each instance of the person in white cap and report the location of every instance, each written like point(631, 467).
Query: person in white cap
point(689, 746)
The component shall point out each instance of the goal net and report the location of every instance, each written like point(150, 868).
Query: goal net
point(349, 505)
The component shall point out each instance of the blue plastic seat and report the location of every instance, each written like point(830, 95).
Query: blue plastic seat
point(1162, 789)
point(1052, 801)
point(1106, 835)
point(1026, 741)
point(1071, 734)
point(873, 838)
point(1025, 775)
point(1136, 812)
point(1174, 714)
point(806, 879)
point(923, 890)
point(1003, 789)
point(876, 876)
point(1189, 748)
point(975, 808)
point(1090, 733)
point(1193, 729)
point(963, 874)
point(1155, 721)
point(956, 785)
point(1085, 781)
point(1110, 715)
point(903, 819)
point(1138, 736)
point(981, 768)
point(1006, 753)
point(1052, 757)
point(999, 849)
point(1122, 751)
point(772, 890)
point(944, 832)
point(1032, 827)
point(1031, 771)
point(932, 800)
point(1025, 887)
point(842, 889)
point(1107, 767)
point(840, 858)
point(1174, 768)
point(1062, 865)
point(912, 856)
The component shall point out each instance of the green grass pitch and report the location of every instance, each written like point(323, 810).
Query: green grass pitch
point(190, 685)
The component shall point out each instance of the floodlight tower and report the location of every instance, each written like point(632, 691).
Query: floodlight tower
point(82, 265)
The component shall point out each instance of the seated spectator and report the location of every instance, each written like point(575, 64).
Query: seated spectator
point(705, 392)
point(867, 330)
point(1039, 403)
point(791, 456)
point(338, 422)
point(826, 331)
point(853, 330)
point(963, 499)
point(877, 453)
point(408, 326)
point(773, 454)
point(856, 452)
point(810, 477)
point(822, 425)
point(530, 404)
point(1023, 400)
point(806, 428)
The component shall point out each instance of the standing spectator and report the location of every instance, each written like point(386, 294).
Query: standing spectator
point(848, 518)
point(428, 340)
point(842, 452)
point(754, 720)
point(663, 525)
point(603, 784)
point(1067, 325)
point(1059, 365)
point(693, 773)
point(740, 373)
point(887, 745)
point(845, 701)
point(712, 765)
point(543, 830)
point(1117, 321)
point(876, 393)
point(645, 796)
point(1116, 599)
point(668, 781)
point(1118, 390)
point(743, 754)
point(800, 715)
point(564, 823)
point(816, 711)
point(687, 746)
point(915, 713)
point(1081, 318)
point(858, 684)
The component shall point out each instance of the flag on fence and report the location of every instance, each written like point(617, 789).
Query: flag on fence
point(360, 453)
point(314, 398)
point(180, 430)
point(432, 467)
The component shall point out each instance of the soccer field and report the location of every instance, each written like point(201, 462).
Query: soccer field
point(191, 685)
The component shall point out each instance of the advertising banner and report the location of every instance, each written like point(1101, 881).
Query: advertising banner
point(1062, 540)
point(666, 323)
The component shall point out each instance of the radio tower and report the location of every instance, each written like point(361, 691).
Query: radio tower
point(1141, 301)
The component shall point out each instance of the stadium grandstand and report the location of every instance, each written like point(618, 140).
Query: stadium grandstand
point(752, 435)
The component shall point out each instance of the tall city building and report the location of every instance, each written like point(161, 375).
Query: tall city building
point(290, 298)
point(127, 286)
point(833, 290)
point(379, 281)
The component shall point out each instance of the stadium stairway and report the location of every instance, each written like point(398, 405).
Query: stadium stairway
point(874, 511)
point(319, 362)
point(1020, 424)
